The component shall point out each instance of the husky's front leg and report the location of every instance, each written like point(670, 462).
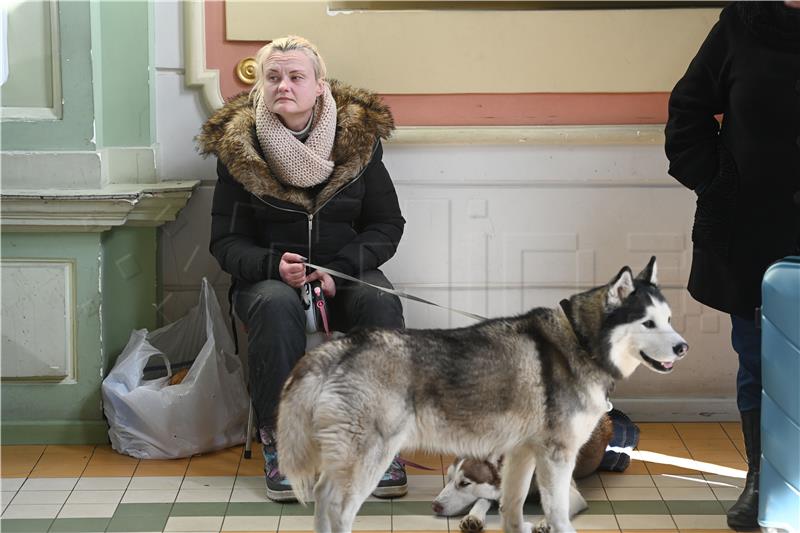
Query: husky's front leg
point(517, 472)
point(476, 519)
point(554, 476)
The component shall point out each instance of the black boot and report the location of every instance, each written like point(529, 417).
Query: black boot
point(744, 513)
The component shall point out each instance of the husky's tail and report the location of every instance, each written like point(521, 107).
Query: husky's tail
point(298, 453)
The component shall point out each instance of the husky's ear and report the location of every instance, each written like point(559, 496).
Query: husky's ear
point(648, 275)
point(620, 287)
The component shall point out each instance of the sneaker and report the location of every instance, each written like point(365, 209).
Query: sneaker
point(278, 487)
point(394, 482)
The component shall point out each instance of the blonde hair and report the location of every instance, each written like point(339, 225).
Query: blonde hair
point(287, 44)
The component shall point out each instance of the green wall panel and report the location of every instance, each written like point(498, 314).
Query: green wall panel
point(49, 403)
point(115, 277)
point(75, 130)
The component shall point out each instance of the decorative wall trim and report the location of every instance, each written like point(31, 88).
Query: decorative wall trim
point(561, 135)
point(94, 210)
point(196, 74)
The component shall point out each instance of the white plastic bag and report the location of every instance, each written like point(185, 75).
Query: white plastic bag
point(207, 411)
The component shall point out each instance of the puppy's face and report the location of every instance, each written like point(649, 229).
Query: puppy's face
point(467, 480)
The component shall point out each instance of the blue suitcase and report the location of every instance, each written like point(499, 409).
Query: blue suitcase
point(779, 485)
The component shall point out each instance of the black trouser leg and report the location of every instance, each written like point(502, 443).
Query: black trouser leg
point(276, 340)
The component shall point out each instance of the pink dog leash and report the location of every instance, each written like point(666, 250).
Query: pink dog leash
point(406, 462)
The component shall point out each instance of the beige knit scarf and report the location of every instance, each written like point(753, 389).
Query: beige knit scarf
point(292, 161)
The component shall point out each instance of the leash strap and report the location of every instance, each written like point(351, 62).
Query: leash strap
point(406, 462)
point(400, 294)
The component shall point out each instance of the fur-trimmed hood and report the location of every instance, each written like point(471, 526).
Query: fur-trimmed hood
point(230, 134)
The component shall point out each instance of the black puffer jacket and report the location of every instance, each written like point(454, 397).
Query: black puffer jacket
point(746, 172)
point(350, 223)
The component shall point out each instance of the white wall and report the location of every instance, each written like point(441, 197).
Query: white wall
point(492, 229)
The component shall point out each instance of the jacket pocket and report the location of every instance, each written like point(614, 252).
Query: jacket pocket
point(716, 207)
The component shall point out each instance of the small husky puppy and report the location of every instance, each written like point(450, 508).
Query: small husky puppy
point(474, 484)
point(531, 388)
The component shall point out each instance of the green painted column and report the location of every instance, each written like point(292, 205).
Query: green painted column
point(122, 43)
point(129, 286)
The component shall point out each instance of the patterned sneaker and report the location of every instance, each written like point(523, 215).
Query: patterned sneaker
point(278, 487)
point(394, 482)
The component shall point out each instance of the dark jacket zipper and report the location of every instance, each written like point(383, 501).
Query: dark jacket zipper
point(310, 216)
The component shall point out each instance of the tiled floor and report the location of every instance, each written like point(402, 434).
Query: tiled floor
point(91, 489)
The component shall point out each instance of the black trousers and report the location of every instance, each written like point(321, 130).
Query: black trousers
point(276, 324)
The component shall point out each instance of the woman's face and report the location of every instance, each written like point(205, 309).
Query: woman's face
point(291, 87)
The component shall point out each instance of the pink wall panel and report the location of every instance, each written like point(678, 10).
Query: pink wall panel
point(527, 109)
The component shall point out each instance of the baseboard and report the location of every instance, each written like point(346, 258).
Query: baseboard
point(55, 432)
point(678, 409)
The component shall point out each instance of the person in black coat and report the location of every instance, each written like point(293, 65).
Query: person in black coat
point(746, 174)
point(301, 179)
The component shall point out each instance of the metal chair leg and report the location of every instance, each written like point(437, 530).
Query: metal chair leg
point(248, 443)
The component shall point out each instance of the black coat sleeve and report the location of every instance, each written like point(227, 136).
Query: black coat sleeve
point(380, 225)
point(692, 131)
point(233, 233)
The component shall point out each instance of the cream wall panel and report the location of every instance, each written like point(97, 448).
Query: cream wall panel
point(38, 337)
point(179, 117)
point(487, 51)
point(508, 165)
point(168, 30)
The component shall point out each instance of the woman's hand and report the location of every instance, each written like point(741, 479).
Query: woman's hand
point(328, 285)
point(292, 269)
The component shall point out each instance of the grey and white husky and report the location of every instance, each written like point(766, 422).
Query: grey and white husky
point(530, 387)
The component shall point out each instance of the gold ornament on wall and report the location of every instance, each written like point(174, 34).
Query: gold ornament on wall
point(246, 70)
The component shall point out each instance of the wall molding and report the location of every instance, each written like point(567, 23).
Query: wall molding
point(633, 134)
point(94, 210)
point(196, 74)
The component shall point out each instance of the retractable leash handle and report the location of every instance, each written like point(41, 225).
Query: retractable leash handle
point(322, 308)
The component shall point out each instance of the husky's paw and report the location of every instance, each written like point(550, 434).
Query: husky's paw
point(542, 527)
point(527, 527)
point(471, 524)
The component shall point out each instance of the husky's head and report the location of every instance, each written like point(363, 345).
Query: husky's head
point(629, 322)
point(468, 480)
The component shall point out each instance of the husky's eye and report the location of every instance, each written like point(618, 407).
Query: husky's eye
point(649, 324)
point(463, 484)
